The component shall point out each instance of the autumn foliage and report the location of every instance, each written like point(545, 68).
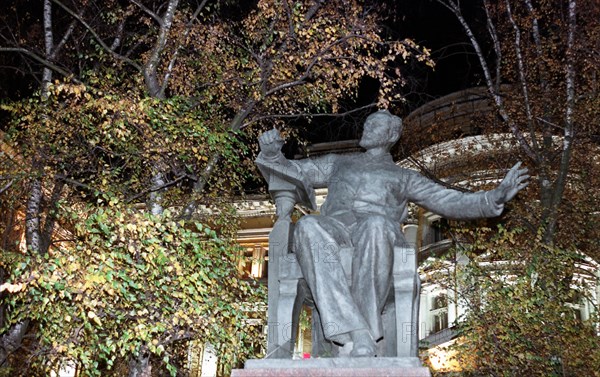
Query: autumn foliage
point(120, 163)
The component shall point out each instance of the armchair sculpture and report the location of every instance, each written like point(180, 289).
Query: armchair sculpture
point(288, 290)
point(352, 263)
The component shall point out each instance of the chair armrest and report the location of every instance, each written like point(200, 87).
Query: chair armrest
point(288, 180)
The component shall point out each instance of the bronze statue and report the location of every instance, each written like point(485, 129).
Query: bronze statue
point(346, 252)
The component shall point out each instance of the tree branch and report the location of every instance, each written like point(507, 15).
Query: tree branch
point(63, 41)
point(535, 28)
point(455, 9)
point(49, 47)
point(563, 172)
point(32, 214)
point(97, 37)
point(308, 115)
point(315, 59)
point(496, 42)
point(178, 49)
point(522, 75)
point(313, 10)
point(50, 222)
point(7, 186)
point(40, 60)
point(148, 11)
point(214, 160)
point(117, 41)
point(78, 184)
point(158, 188)
point(151, 66)
point(48, 35)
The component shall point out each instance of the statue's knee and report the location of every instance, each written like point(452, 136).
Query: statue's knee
point(377, 226)
point(306, 224)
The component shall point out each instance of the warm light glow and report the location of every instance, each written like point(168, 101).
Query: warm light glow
point(23, 244)
point(253, 257)
point(442, 359)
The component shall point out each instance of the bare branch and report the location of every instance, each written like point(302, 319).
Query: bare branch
point(49, 224)
point(308, 115)
point(7, 186)
point(454, 8)
point(570, 74)
point(63, 40)
point(117, 41)
point(76, 183)
point(313, 10)
point(535, 28)
point(48, 35)
point(97, 37)
point(49, 45)
point(522, 74)
point(551, 124)
point(178, 49)
point(496, 96)
point(39, 59)
point(148, 11)
point(288, 11)
point(538, 48)
point(32, 215)
point(158, 188)
point(496, 41)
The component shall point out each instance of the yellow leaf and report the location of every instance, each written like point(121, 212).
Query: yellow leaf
point(91, 315)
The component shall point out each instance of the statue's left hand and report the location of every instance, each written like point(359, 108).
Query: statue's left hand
point(515, 181)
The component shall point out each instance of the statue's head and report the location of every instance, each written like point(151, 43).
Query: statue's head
point(381, 129)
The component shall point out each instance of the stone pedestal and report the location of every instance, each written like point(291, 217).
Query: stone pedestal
point(333, 367)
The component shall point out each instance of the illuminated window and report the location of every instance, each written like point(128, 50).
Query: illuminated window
point(439, 313)
point(253, 263)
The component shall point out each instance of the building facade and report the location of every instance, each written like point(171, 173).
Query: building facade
point(451, 144)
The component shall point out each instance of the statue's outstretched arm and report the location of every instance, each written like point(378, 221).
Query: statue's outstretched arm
point(459, 205)
point(316, 170)
point(516, 179)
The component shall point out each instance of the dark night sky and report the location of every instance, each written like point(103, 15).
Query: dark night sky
point(424, 21)
point(429, 25)
point(434, 27)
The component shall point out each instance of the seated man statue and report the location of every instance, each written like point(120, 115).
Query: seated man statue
point(346, 253)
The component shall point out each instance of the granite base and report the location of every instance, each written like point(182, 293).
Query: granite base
point(333, 367)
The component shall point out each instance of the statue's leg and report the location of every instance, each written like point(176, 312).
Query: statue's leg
point(318, 242)
point(373, 239)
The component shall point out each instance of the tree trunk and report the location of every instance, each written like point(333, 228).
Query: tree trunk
point(155, 199)
point(151, 67)
point(140, 366)
point(50, 222)
point(11, 340)
point(32, 215)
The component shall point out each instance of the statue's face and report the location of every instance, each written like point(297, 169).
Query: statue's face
point(376, 133)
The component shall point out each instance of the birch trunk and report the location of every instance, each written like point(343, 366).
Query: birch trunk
point(13, 338)
point(140, 366)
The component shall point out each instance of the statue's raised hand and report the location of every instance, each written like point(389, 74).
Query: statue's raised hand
point(270, 143)
point(515, 181)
